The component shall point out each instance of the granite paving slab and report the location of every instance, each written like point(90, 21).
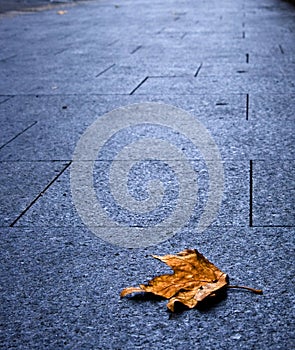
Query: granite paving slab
point(57, 208)
point(28, 180)
point(217, 84)
point(267, 114)
point(63, 292)
point(273, 193)
point(212, 111)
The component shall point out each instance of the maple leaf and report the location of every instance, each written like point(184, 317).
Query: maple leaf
point(194, 279)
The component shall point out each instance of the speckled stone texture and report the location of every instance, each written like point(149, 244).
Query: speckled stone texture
point(230, 64)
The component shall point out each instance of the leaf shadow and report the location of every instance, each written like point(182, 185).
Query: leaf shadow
point(146, 297)
point(203, 306)
point(211, 302)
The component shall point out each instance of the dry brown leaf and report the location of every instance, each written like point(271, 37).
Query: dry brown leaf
point(194, 279)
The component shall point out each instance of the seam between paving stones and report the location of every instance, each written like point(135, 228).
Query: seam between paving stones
point(198, 70)
point(111, 226)
point(136, 49)
point(168, 94)
point(105, 70)
point(247, 106)
point(139, 85)
point(9, 98)
point(20, 133)
point(40, 194)
point(36, 161)
point(7, 58)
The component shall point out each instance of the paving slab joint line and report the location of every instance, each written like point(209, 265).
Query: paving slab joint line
point(61, 51)
point(273, 226)
point(198, 70)
point(136, 49)
point(7, 58)
point(7, 99)
point(247, 58)
point(20, 133)
point(105, 70)
point(112, 42)
point(35, 161)
point(139, 85)
point(166, 76)
point(247, 106)
point(40, 195)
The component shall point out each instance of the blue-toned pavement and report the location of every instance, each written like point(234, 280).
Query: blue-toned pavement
point(231, 66)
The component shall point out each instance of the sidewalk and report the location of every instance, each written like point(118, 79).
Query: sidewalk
point(231, 65)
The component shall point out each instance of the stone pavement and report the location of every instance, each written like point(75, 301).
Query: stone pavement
point(230, 64)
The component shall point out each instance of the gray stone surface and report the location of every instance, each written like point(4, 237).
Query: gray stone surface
point(21, 183)
point(62, 292)
point(56, 207)
point(273, 193)
point(223, 115)
point(267, 115)
point(230, 64)
point(215, 84)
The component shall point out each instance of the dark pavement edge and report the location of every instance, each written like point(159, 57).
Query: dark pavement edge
point(8, 7)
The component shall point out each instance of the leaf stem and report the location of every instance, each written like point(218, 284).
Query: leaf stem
point(256, 291)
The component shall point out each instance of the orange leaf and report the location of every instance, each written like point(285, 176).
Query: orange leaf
point(194, 279)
